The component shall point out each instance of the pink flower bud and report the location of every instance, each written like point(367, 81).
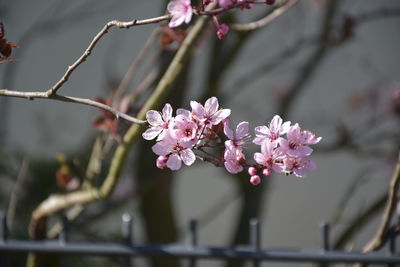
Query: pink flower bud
point(252, 171)
point(270, 2)
point(161, 162)
point(255, 180)
point(267, 172)
point(222, 31)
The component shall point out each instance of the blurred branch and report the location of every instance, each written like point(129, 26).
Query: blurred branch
point(84, 101)
point(128, 77)
point(314, 61)
point(271, 16)
point(357, 224)
point(379, 239)
point(12, 206)
point(57, 203)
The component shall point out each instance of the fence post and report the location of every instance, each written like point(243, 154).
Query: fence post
point(127, 234)
point(192, 242)
point(255, 239)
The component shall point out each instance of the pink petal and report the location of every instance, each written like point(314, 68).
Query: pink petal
point(259, 158)
point(151, 133)
point(233, 167)
point(167, 112)
point(242, 129)
point(184, 112)
point(275, 124)
point(211, 105)
point(227, 130)
point(197, 109)
point(188, 156)
point(176, 21)
point(285, 128)
point(220, 115)
point(174, 162)
point(154, 118)
point(188, 15)
point(161, 149)
point(262, 130)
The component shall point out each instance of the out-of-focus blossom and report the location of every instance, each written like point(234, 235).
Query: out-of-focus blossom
point(181, 11)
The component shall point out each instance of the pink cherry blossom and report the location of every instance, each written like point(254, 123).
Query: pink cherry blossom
point(273, 132)
point(176, 150)
point(270, 157)
point(299, 166)
point(209, 113)
point(222, 31)
point(181, 11)
point(159, 123)
point(183, 128)
point(295, 145)
point(237, 138)
point(233, 159)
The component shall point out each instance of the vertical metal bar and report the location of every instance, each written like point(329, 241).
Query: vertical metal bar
point(3, 227)
point(3, 237)
point(255, 239)
point(325, 236)
point(192, 242)
point(63, 236)
point(127, 234)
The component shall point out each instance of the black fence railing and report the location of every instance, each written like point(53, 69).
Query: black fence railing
point(193, 251)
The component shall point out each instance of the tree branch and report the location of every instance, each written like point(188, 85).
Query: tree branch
point(120, 24)
point(58, 203)
point(83, 101)
point(275, 13)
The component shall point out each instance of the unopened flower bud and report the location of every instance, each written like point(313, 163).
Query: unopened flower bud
point(255, 180)
point(161, 162)
point(222, 31)
point(267, 172)
point(270, 2)
point(252, 171)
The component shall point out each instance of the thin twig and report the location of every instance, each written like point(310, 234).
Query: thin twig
point(83, 101)
point(276, 12)
point(128, 77)
point(88, 51)
point(12, 206)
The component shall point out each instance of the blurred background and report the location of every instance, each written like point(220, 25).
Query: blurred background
point(332, 66)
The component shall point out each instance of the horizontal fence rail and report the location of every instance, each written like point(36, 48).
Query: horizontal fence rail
point(191, 250)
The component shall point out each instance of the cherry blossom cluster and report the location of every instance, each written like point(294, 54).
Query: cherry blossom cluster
point(200, 133)
point(182, 11)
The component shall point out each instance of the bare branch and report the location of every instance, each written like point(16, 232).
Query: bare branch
point(88, 51)
point(275, 13)
point(83, 101)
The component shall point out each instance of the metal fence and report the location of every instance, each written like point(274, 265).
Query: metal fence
point(193, 251)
